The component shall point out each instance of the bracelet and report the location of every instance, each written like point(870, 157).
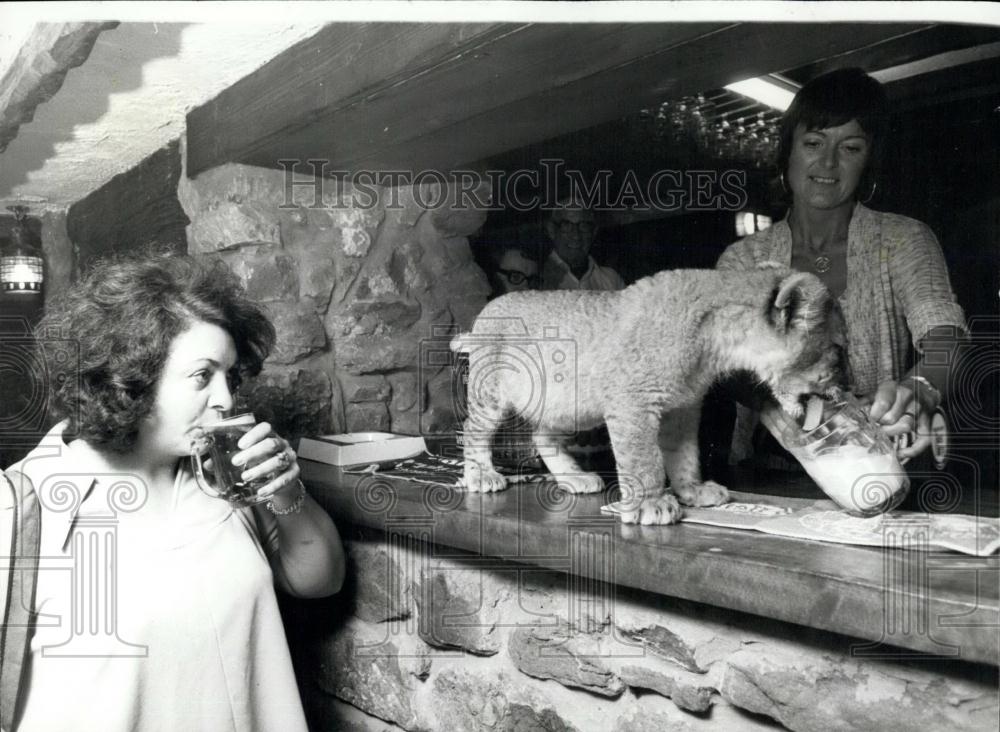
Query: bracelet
point(295, 506)
point(931, 389)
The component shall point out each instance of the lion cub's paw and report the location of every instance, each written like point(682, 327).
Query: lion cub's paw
point(660, 510)
point(580, 482)
point(479, 479)
point(708, 493)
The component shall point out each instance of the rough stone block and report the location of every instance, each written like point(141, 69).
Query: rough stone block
point(374, 318)
point(405, 422)
point(561, 654)
point(308, 228)
point(456, 250)
point(401, 209)
point(441, 254)
point(358, 228)
point(665, 644)
point(715, 650)
point(639, 720)
point(361, 665)
point(441, 410)
point(296, 402)
point(375, 354)
point(318, 274)
point(364, 388)
point(379, 284)
point(235, 183)
point(404, 391)
point(267, 277)
point(233, 225)
point(692, 697)
point(375, 336)
point(462, 213)
point(405, 269)
point(404, 409)
point(704, 640)
point(471, 282)
point(347, 273)
point(325, 712)
point(368, 417)
point(356, 242)
point(300, 332)
point(466, 700)
point(381, 591)
point(806, 692)
point(457, 611)
point(458, 222)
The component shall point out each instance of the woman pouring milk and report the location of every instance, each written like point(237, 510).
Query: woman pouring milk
point(886, 270)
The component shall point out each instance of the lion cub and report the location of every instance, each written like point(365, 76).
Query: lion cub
point(641, 360)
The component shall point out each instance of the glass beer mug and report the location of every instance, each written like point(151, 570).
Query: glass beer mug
point(847, 454)
point(212, 450)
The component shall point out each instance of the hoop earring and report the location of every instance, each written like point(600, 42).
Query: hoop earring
point(872, 194)
point(783, 186)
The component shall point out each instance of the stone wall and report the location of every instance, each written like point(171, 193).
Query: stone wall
point(363, 291)
point(427, 638)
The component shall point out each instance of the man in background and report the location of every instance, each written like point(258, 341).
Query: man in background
point(514, 268)
point(572, 227)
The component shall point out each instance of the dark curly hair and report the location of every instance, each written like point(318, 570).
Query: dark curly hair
point(123, 316)
point(834, 99)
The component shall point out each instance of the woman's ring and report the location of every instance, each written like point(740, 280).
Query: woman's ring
point(283, 459)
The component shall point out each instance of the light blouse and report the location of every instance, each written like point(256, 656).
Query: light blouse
point(897, 291)
point(897, 288)
point(151, 622)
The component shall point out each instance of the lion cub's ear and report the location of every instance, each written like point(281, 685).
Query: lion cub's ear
point(797, 300)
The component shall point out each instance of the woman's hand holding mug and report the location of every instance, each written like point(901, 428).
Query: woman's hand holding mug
point(248, 464)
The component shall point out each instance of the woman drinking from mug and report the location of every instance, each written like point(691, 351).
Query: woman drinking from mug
point(886, 270)
point(168, 619)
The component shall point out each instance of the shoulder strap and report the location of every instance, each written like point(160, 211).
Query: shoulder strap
point(19, 600)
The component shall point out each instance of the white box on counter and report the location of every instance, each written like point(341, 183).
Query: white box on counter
point(353, 448)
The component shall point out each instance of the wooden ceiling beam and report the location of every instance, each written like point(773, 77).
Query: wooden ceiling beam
point(892, 52)
point(415, 97)
point(354, 87)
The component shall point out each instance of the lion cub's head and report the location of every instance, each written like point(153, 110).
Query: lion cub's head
point(800, 342)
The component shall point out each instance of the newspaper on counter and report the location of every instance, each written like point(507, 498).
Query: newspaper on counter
point(897, 530)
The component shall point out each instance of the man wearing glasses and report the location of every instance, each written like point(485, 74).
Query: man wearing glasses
point(514, 270)
point(571, 227)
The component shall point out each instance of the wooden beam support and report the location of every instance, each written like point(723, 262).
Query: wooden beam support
point(894, 52)
point(341, 67)
point(134, 210)
point(415, 97)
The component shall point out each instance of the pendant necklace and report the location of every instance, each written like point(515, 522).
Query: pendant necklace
point(821, 263)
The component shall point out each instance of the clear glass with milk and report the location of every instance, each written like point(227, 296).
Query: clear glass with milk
point(847, 454)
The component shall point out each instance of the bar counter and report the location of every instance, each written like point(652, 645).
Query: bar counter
point(896, 602)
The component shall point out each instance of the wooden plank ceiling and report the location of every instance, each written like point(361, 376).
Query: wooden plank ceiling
point(440, 96)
